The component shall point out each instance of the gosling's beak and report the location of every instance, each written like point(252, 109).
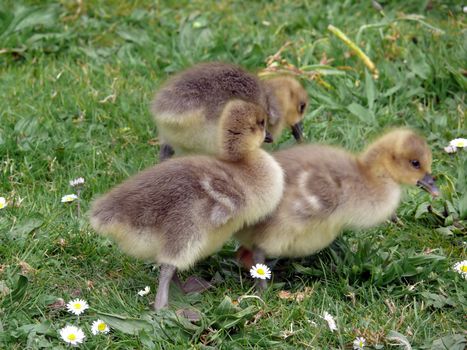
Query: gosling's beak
point(268, 138)
point(428, 184)
point(297, 131)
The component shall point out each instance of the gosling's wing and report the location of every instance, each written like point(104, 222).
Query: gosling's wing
point(315, 177)
point(224, 199)
point(316, 194)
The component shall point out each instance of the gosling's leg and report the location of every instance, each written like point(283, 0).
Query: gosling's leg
point(245, 257)
point(165, 276)
point(166, 152)
point(259, 258)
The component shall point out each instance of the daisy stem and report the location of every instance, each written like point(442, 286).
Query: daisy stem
point(78, 191)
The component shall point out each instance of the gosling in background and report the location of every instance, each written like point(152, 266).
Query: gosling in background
point(185, 209)
point(187, 108)
point(327, 189)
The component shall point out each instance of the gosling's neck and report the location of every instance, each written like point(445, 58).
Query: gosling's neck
point(373, 162)
point(273, 93)
point(241, 156)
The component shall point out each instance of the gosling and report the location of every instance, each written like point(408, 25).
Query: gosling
point(184, 209)
point(328, 189)
point(187, 108)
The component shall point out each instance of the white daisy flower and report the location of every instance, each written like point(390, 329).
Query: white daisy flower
point(144, 291)
point(260, 271)
point(359, 343)
point(461, 267)
point(76, 182)
point(77, 306)
point(69, 198)
point(99, 326)
point(458, 143)
point(450, 149)
point(72, 335)
point(2, 202)
point(330, 320)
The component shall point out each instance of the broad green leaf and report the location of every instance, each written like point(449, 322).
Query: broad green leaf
point(26, 227)
point(397, 338)
point(370, 90)
point(422, 209)
point(393, 90)
point(450, 342)
point(463, 206)
point(445, 231)
point(436, 300)
point(137, 36)
point(126, 324)
point(362, 113)
point(230, 315)
point(20, 288)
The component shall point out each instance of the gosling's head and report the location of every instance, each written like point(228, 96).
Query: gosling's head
point(242, 128)
point(288, 106)
point(407, 158)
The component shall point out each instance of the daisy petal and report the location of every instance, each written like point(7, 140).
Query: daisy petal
point(99, 326)
point(2, 202)
point(77, 306)
point(69, 198)
point(260, 271)
point(72, 335)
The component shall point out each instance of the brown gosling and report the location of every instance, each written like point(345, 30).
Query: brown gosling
point(327, 189)
point(188, 107)
point(183, 210)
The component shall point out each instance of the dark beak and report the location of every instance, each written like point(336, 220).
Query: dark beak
point(268, 138)
point(297, 131)
point(428, 184)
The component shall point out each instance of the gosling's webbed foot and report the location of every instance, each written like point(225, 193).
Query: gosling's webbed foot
point(195, 284)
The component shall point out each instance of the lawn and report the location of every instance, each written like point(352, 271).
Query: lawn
point(76, 81)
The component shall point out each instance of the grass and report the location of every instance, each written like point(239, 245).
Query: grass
point(76, 82)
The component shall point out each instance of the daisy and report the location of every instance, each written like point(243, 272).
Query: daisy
point(330, 320)
point(144, 291)
point(450, 149)
point(359, 343)
point(461, 267)
point(77, 306)
point(72, 335)
point(77, 182)
point(99, 326)
point(458, 143)
point(2, 202)
point(69, 198)
point(260, 271)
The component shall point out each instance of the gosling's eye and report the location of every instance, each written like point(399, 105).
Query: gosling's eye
point(301, 107)
point(261, 123)
point(415, 163)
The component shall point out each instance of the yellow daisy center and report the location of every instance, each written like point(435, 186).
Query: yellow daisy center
point(463, 268)
point(360, 343)
point(101, 327)
point(77, 306)
point(260, 271)
point(2, 205)
point(71, 336)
